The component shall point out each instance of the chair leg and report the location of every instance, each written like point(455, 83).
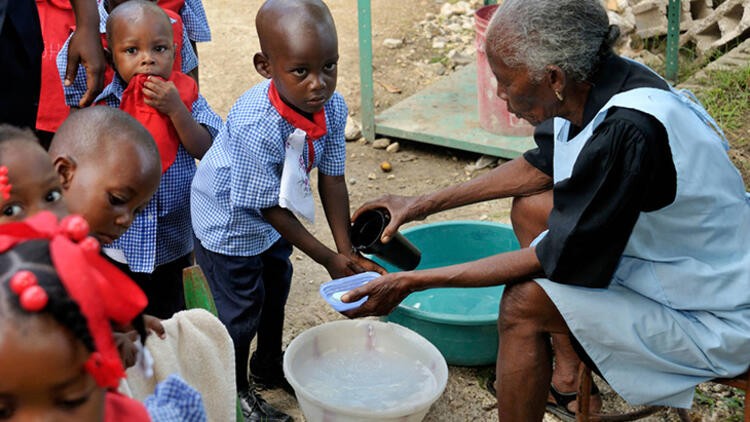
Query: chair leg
point(584, 393)
point(684, 415)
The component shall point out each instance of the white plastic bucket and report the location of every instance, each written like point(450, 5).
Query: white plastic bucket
point(326, 365)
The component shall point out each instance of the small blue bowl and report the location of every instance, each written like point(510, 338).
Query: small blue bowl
point(460, 322)
point(334, 289)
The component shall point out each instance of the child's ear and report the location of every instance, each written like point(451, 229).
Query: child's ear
point(66, 169)
point(262, 66)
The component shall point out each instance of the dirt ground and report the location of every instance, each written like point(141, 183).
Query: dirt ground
point(226, 71)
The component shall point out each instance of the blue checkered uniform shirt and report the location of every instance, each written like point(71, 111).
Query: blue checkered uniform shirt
point(174, 400)
point(241, 173)
point(75, 91)
point(195, 21)
point(161, 232)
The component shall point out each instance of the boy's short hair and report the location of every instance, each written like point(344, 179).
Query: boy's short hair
point(85, 131)
point(301, 13)
point(134, 6)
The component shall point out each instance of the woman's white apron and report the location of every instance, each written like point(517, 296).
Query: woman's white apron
point(677, 311)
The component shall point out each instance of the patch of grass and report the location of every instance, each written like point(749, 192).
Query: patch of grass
point(726, 96)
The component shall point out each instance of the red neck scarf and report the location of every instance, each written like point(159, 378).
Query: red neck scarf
point(159, 125)
point(102, 292)
point(314, 129)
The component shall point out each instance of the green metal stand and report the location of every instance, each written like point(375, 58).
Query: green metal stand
point(445, 113)
point(673, 40)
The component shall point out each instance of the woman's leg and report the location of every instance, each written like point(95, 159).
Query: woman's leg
point(529, 218)
point(524, 360)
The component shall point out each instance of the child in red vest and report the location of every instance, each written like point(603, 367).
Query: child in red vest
point(159, 243)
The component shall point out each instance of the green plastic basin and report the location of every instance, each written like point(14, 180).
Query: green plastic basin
point(460, 322)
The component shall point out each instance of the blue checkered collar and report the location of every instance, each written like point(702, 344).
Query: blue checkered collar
point(115, 89)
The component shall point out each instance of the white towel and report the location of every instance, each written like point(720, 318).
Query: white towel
point(199, 349)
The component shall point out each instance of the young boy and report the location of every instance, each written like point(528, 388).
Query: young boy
point(245, 236)
point(109, 168)
point(186, 59)
point(159, 243)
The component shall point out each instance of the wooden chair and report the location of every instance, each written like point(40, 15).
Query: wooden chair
point(198, 295)
point(584, 395)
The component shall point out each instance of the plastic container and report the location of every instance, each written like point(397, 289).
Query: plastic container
point(493, 112)
point(334, 289)
point(365, 236)
point(339, 369)
point(460, 322)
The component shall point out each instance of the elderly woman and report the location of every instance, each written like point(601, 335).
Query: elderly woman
point(641, 249)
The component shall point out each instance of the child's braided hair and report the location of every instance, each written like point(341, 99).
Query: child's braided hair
point(34, 256)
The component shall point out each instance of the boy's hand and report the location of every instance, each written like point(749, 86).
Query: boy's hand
point(341, 265)
point(126, 347)
point(162, 95)
point(367, 264)
point(154, 324)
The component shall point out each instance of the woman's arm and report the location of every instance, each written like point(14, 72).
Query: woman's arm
point(514, 178)
point(385, 293)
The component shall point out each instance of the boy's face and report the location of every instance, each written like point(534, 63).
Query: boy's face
point(303, 67)
point(142, 45)
point(35, 185)
point(108, 189)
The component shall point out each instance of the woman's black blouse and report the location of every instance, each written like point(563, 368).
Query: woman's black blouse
point(624, 169)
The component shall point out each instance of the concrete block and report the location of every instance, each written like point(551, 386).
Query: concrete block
point(694, 10)
point(737, 58)
point(650, 18)
point(727, 22)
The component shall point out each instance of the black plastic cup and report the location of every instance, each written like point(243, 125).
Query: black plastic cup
point(365, 236)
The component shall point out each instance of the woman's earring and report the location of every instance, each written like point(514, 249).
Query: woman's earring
point(558, 95)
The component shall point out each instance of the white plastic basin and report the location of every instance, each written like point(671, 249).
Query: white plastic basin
point(364, 370)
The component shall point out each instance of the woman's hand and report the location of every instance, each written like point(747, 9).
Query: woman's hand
point(400, 208)
point(385, 293)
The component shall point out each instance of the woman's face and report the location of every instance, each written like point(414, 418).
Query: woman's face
point(532, 101)
point(42, 376)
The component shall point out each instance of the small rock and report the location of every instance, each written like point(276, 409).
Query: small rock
point(352, 181)
point(352, 132)
point(362, 141)
point(484, 217)
point(393, 42)
point(372, 176)
point(390, 177)
point(394, 147)
point(381, 143)
point(298, 258)
point(438, 44)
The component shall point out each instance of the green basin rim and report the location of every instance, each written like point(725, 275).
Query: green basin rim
point(443, 318)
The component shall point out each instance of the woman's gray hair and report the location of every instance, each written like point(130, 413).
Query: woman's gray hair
point(571, 34)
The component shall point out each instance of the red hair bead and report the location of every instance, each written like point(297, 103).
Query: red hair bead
point(21, 281)
point(34, 298)
point(75, 227)
point(89, 244)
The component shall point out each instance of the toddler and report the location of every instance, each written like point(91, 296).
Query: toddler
point(58, 299)
point(159, 243)
point(186, 61)
point(28, 182)
point(244, 205)
point(88, 153)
